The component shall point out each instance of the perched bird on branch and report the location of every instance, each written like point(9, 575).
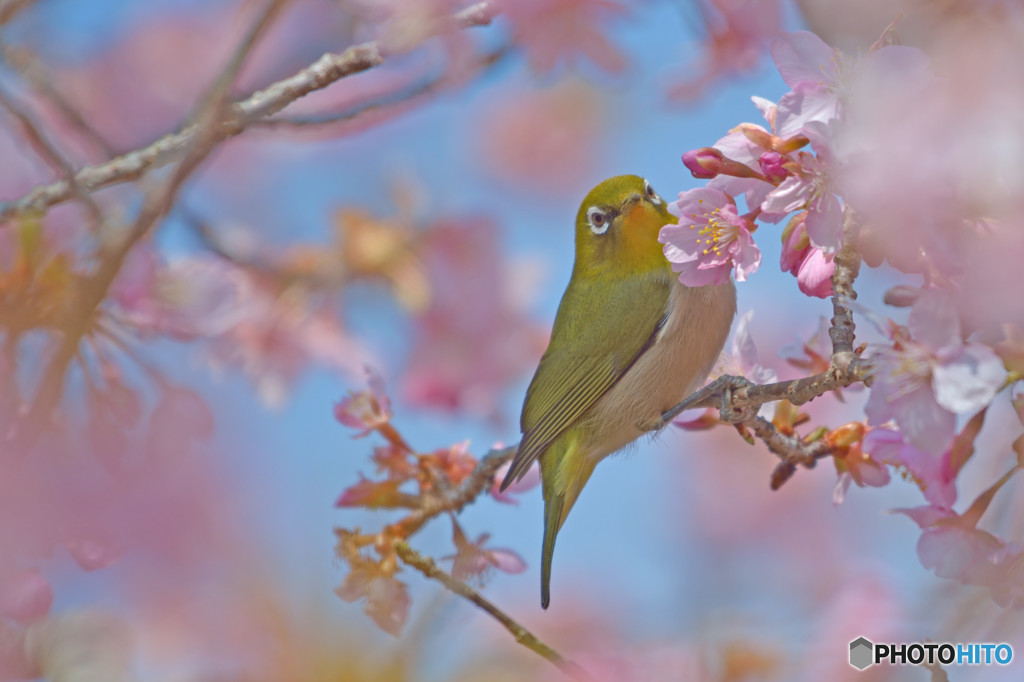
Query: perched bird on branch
point(629, 342)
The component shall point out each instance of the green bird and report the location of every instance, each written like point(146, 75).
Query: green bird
point(629, 342)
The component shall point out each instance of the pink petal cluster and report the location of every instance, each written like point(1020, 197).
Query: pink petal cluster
point(710, 241)
point(272, 338)
point(475, 336)
point(737, 32)
point(954, 548)
point(472, 560)
point(555, 30)
point(530, 480)
point(935, 476)
point(365, 410)
point(923, 381)
point(387, 599)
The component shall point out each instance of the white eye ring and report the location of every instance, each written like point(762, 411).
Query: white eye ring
point(598, 220)
point(651, 194)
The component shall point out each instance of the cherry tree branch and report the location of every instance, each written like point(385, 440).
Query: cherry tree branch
point(326, 70)
point(465, 493)
point(427, 567)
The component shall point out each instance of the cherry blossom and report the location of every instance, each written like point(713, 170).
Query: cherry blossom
point(473, 559)
point(935, 476)
point(924, 380)
point(812, 266)
point(366, 410)
point(529, 480)
point(737, 31)
point(710, 240)
point(387, 599)
point(553, 30)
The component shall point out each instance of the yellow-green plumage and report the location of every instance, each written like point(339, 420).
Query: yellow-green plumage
point(628, 342)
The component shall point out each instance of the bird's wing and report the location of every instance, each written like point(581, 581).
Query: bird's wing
point(591, 348)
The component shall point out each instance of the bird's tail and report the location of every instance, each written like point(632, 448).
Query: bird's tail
point(563, 478)
point(552, 523)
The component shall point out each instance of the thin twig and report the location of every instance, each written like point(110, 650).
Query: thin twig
point(35, 74)
point(427, 567)
point(383, 104)
point(267, 102)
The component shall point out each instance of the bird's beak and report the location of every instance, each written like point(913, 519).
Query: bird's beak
point(631, 198)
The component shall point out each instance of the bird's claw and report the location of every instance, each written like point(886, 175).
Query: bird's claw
point(716, 394)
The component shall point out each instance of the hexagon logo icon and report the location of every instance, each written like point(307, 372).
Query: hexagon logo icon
point(861, 653)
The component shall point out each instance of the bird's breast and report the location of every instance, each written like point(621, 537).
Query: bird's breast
point(673, 367)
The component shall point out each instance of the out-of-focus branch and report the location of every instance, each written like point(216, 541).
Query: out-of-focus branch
point(427, 567)
point(382, 105)
point(42, 145)
point(267, 102)
point(739, 399)
point(11, 8)
point(479, 480)
point(209, 132)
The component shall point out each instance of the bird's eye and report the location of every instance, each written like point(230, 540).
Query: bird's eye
point(598, 220)
point(651, 194)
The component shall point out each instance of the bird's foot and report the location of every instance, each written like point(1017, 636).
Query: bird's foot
point(716, 394)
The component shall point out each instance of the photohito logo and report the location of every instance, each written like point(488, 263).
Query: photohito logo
point(864, 652)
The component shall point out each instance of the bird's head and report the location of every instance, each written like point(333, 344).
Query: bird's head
point(617, 229)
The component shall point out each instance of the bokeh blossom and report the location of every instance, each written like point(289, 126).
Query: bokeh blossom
point(924, 380)
point(473, 559)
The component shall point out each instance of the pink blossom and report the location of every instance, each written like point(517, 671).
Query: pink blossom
point(710, 240)
point(475, 337)
point(744, 358)
point(748, 144)
point(823, 78)
point(387, 600)
point(810, 188)
point(366, 410)
point(25, 596)
point(812, 266)
point(186, 299)
point(737, 31)
point(554, 30)
point(281, 336)
point(473, 560)
point(933, 475)
point(953, 548)
point(529, 480)
point(812, 355)
point(857, 466)
point(547, 139)
point(923, 381)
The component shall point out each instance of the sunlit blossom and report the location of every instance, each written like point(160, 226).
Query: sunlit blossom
point(710, 241)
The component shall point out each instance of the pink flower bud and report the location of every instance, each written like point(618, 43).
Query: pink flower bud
point(704, 163)
point(773, 166)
